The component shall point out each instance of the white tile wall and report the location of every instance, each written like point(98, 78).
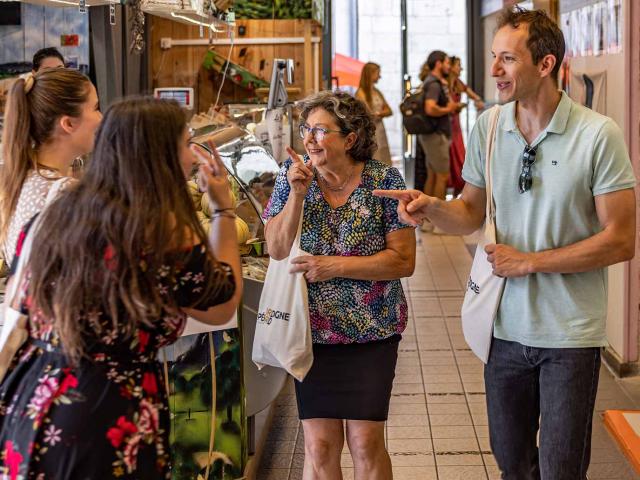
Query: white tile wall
point(432, 25)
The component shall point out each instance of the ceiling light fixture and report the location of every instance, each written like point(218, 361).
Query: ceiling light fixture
point(194, 21)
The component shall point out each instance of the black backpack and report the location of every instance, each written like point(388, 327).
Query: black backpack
point(414, 118)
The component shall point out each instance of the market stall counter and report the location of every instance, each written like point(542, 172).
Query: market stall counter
point(215, 390)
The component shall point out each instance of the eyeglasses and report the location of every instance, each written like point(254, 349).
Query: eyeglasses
point(317, 132)
point(528, 158)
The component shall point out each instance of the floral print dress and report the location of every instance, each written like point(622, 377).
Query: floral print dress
point(108, 417)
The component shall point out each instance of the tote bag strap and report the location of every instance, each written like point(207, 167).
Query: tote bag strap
point(494, 115)
point(25, 252)
point(296, 241)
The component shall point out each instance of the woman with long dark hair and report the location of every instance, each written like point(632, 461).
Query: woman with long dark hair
point(121, 261)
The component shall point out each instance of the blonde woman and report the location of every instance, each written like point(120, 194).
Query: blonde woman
point(379, 107)
point(50, 119)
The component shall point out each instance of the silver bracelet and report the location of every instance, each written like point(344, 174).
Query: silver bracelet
point(223, 214)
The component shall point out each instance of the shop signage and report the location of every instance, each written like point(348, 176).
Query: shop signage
point(69, 40)
point(268, 316)
point(592, 28)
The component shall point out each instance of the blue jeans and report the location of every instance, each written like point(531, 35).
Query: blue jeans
point(550, 389)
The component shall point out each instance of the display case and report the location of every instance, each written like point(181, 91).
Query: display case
point(215, 390)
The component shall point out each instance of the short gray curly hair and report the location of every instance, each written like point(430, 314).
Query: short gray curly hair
point(351, 114)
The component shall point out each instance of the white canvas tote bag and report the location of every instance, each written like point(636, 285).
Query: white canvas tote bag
point(484, 289)
point(14, 327)
point(15, 330)
point(283, 333)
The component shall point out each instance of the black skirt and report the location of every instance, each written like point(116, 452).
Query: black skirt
point(349, 381)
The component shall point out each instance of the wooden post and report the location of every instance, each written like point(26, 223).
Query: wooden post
point(632, 136)
point(308, 60)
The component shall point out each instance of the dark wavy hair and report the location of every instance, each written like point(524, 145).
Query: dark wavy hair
point(351, 114)
point(103, 242)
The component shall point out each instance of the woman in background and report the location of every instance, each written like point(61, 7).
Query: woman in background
point(379, 107)
point(457, 150)
point(49, 57)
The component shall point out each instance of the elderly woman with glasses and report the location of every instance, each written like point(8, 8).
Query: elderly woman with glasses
point(358, 250)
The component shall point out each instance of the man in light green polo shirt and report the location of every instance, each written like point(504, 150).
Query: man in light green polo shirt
point(565, 210)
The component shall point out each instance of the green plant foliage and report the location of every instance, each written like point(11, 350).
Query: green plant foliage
point(190, 403)
point(277, 9)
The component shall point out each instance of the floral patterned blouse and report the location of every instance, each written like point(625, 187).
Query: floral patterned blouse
point(107, 417)
point(343, 310)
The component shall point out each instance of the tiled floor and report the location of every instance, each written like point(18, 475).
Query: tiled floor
point(437, 427)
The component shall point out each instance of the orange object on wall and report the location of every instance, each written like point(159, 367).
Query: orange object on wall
point(624, 434)
point(346, 70)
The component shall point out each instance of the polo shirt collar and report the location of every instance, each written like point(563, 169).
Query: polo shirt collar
point(558, 123)
point(508, 113)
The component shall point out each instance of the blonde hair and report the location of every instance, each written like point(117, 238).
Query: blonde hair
point(33, 106)
point(366, 81)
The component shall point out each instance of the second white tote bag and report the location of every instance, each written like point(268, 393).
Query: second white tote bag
point(484, 289)
point(15, 325)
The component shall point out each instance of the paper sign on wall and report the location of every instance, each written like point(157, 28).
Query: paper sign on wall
point(69, 40)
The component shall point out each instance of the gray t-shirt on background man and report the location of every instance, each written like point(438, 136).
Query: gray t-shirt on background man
point(581, 154)
point(435, 90)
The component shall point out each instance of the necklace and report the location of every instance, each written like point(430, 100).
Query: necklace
point(332, 187)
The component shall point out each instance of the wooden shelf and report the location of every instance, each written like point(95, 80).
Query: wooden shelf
point(181, 65)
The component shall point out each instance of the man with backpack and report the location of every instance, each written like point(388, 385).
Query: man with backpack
point(437, 106)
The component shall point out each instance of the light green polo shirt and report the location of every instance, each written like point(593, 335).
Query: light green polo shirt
point(580, 154)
